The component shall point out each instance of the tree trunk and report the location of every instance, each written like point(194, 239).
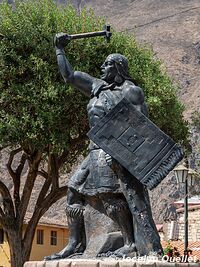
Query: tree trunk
point(16, 249)
point(14, 209)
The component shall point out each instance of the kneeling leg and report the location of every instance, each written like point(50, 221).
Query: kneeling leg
point(74, 212)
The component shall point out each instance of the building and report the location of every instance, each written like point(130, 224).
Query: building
point(174, 229)
point(50, 236)
point(4, 250)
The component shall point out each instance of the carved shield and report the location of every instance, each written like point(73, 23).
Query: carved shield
point(136, 143)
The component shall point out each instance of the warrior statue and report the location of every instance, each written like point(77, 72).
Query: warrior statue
point(100, 179)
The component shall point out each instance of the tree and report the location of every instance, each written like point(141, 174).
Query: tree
point(43, 121)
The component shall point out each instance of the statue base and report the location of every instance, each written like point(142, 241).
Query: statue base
point(108, 262)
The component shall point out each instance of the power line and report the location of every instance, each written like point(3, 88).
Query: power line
point(156, 20)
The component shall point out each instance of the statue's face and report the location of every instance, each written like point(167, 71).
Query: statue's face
point(108, 70)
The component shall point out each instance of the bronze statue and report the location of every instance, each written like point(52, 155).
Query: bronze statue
point(102, 185)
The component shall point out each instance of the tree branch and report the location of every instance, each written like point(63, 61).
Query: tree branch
point(52, 178)
point(10, 161)
point(43, 174)
point(16, 175)
point(17, 182)
point(21, 164)
point(4, 191)
point(52, 197)
point(53, 173)
point(34, 161)
point(7, 201)
point(2, 214)
point(43, 191)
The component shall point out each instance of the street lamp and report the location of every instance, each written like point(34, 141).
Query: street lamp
point(185, 176)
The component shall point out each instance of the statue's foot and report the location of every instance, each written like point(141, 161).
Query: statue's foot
point(52, 257)
point(109, 254)
point(126, 250)
point(66, 252)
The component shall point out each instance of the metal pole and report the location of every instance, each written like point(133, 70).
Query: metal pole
point(186, 218)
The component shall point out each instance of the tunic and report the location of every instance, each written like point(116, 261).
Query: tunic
point(95, 175)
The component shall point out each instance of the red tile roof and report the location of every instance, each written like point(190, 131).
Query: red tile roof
point(47, 221)
point(194, 246)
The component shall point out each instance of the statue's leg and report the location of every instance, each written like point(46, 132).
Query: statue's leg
point(145, 220)
point(117, 209)
point(75, 220)
point(76, 243)
point(145, 232)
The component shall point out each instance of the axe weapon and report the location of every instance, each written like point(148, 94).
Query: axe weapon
point(106, 33)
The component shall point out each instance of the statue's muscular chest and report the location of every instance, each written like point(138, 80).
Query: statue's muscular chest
point(99, 106)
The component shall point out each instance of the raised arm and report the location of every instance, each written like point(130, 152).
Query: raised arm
point(80, 80)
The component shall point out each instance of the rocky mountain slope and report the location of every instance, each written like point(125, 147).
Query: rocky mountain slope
point(171, 27)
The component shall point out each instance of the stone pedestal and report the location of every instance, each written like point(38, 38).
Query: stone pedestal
point(106, 263)
point(102, 233)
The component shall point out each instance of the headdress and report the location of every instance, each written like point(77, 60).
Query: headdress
point(121, 64)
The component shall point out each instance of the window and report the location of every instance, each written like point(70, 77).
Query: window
point(1, 236)
point(40, 237)
point(53, 238)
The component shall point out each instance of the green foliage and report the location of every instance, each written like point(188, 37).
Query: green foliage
point(168, 250)
point(37, 108)
point(171, 251)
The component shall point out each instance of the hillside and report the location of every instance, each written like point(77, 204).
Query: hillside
point(171, 27)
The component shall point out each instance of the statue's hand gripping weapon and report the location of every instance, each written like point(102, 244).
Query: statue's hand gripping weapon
point(62, 39)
